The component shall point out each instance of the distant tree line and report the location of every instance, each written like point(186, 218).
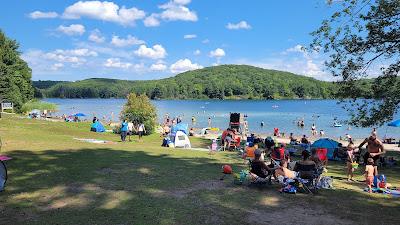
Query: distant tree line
point(219, 82)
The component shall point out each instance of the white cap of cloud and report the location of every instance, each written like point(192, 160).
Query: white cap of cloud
point(116, 63)
point(190, 36)
point(71, 30)
point(56, 66)
point(182, 2)
point(128, 41)
point(152, 20)
point(183, 65)
point(197, 52)
point(42, 15)
point(76, 52)
point(176, 10)
point(106, 11)
point(217, 53)
point(237, 26)
point(155, 52)
point(96, 36)
point(158, 67)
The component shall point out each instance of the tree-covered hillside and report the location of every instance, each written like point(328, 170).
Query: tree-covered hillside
point(219, 82)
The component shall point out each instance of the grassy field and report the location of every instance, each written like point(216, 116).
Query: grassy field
point(54, 179)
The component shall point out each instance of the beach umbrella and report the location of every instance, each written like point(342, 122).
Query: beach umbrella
point(79, 114)
point(395, 123)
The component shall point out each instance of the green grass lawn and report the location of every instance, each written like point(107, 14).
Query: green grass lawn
point(54, 179)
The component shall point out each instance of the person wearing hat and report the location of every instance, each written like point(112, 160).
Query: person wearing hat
point(258, 166)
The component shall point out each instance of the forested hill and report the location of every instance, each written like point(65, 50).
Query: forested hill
point(218, 82)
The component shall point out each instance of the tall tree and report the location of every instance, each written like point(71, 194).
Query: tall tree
point(362, 39)
point(15, 75)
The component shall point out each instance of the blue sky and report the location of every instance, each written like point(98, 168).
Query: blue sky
point(142, 39)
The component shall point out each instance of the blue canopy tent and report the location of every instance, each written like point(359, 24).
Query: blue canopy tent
point(79, 114)
point(327, 143)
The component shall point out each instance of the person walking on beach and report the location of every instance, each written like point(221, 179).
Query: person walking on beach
point(375, 150)
point(141, 131)
point(130, 130)
point(124, 130)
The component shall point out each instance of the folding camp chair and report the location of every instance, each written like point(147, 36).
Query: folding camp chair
point(257, 180)
point(309, 185)
point(3, 175)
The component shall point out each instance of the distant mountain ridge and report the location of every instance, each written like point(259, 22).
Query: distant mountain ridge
point(217, 82)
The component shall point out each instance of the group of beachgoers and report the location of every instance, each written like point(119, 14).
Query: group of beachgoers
point(128, 129)
point(281, 163)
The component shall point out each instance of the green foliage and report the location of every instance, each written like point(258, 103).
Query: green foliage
point(219, 82)
point(138, 109)
point(15, 75)
point(36, 104)
point(363, 38)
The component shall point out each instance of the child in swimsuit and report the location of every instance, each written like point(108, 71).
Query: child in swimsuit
point(350, 160)
point(369, 173)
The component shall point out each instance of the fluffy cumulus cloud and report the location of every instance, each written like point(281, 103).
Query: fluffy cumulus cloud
point(76, 52)
point(190, 36)
point(96, 36)
point(126, 42)
point(177, 10)
point(238, 26)
point(106, 11)
point(42, 15)
point(297, 48)
point(57, 66)
point(183, 65)
point(217, 53)
point(159, 66)
point(72, 30)
point(116, 63)
point(155, 52)
point(152, 20)
point(197, 52)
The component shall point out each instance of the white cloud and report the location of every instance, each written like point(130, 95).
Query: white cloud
point(183, 65)
point(217, 53)
point(155, 52)
point(42, 15)
point(197, 52)
point(71, 30)
point(158, 67)
point(297, 48)
point(152, 20)
point(128, 41)
point(96, 36)
point(57, 66)
point(76, 52)
point(175, 10)
point(241, 25)
point(182, 2)
point(106, 11)
point(116, 63)
point(205, 41)
point(190, 36)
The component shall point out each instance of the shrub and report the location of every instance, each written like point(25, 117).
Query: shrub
point(139, 109)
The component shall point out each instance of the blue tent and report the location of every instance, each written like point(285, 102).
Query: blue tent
point(180, 127)
point(79, 114)
point(327, 143)
point(97, 127)
point(395, 123)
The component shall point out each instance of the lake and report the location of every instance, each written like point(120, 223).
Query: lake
point(275, 113)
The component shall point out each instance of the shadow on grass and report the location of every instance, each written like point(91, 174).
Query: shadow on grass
point(106, 186)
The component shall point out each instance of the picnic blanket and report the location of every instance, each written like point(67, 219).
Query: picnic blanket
point(94, 141)
point(387, 191)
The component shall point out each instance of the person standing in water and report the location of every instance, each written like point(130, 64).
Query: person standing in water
point(313, 130)
point(262, 124)
point(209, 121)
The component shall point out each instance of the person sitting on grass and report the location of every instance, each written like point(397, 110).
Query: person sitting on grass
point(306, 167)
point(369, 173)
point(284, 171)
point(258, 166)
point(293, 140)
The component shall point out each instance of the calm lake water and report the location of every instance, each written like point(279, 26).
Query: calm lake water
point(275, 113)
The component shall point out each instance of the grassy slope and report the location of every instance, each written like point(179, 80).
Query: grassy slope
point(57, 180)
